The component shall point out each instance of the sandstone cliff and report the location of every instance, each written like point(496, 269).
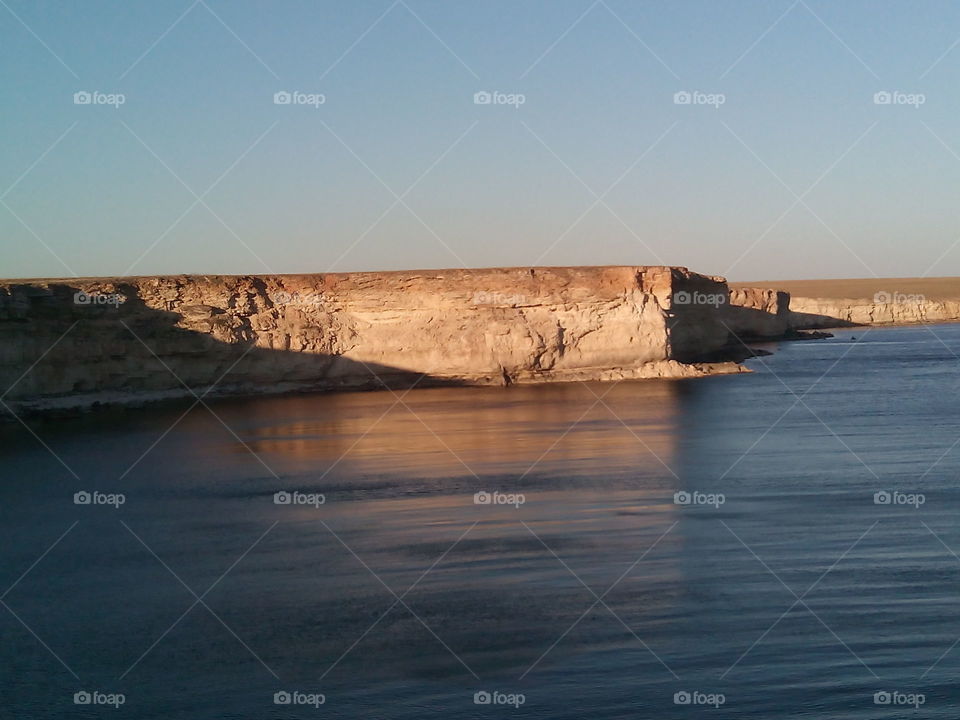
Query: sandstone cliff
point(838, 312)
point(757, 313)
point(71, 343)
point(866, 301)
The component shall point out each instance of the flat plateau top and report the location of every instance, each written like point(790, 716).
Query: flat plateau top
point(424, 272)
point(944, 288)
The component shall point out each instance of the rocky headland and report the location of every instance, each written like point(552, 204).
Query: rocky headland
point(877, 301)
point(77, 343)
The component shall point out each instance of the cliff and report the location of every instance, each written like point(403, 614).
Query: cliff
point(839, 312)
point(757, 313)
point(867, 301)
point(75, 343)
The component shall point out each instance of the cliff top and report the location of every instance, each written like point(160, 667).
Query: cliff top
point(941, 288)
point(366, 273)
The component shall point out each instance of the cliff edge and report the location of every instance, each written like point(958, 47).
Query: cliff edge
point(81, 342)
point(866, 301)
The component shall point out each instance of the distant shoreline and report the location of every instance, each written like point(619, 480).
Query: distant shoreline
point(939, 288)
point(77, 343)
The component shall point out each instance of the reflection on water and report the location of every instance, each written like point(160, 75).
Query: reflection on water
point(598, 596)
point(456, 431)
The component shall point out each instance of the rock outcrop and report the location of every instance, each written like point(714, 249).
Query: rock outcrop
point(74, 343)
point(839, 312)
point(866, 301)
point(757, 313)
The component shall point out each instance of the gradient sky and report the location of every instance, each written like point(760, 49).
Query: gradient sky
point(799, 174)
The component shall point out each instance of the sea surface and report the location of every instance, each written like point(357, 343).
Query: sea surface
point(780, 544)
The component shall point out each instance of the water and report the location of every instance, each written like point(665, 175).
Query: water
point(599, 596)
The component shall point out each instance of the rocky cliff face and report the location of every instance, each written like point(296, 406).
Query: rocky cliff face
point(834, 312)
point(79, 342)
point(757, 313)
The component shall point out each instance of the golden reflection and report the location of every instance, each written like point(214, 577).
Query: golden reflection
point(453, 431)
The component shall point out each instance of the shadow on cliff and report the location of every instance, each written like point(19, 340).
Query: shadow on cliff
point(735, 328)
point(752, 324)
point(62, 344)
point(812, 321)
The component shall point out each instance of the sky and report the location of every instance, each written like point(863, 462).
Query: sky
point(743, 138)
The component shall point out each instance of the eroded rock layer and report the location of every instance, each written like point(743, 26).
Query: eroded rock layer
point(72, 343)
point(837, 312)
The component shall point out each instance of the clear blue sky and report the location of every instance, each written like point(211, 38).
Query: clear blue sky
point(297, 188)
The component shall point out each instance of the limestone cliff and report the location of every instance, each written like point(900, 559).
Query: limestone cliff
point(865, 301)
point(757, 313)
point(834, 312)
point(68, 343)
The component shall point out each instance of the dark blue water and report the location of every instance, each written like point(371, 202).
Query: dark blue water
point(599, 596)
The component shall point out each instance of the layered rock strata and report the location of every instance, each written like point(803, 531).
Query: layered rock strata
point(74, 343)
point(838, 312)
point(867, 301)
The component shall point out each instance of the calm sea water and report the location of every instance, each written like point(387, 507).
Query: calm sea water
point(783, 589)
